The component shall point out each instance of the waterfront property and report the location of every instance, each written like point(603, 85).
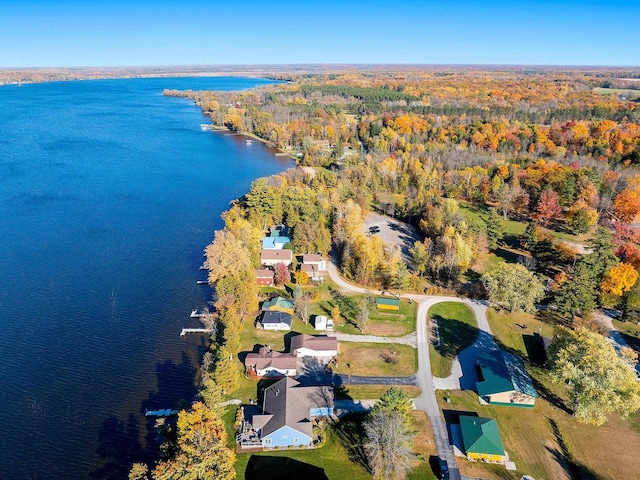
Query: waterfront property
point(275, 243)
point(264, 277)
point(304, 345)
point(387, 303)
point(287, 415)
point(314, 266)
point(278, 304)
point(481, 439)
point(269, 363)
point(272, 257)
point(275, 321)
point(504, 380)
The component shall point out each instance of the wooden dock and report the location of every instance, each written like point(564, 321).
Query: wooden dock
point(195, 330)
point(202, 282)
point(163, 412)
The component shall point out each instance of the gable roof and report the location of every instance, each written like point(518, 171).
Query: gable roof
point(503, 372)
point(266, 358)
point(317, 343)
point(264, 273)
point(311, 258)
point(279, 302)
point(272, 317)
point(270, 242)
point(270, 254)
point(480, 435)
point(289, 405)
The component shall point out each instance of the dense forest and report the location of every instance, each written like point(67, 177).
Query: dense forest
point(523, 185)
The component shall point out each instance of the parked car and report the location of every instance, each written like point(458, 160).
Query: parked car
point(444, 470)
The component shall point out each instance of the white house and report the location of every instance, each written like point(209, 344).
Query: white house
point(314, 266)
point(267, 363)
point(304, 345)
point(273, 257)
point(275, 320)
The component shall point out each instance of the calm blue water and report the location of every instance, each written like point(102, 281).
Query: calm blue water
point(108, 194)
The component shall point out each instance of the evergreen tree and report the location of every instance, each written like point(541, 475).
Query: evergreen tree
point(495, 228)
point(602, 258)
point(530, 237)
point(578, 295)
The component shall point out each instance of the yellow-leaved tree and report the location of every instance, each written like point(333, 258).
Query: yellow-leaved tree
point(619, 279)
point(203, 453)
point(599, 379)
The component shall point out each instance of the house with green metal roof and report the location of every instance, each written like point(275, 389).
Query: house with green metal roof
point(278, 304)
point(386, 303)
point(504, 380)
point(481, 439)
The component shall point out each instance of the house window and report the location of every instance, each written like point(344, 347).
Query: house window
point(295, 440)
point(266, 441)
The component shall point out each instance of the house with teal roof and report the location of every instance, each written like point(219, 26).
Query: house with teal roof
point(481, 439)
point(504, 380)
point(278, 304)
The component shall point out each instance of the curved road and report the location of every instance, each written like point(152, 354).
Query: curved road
point(427, 400)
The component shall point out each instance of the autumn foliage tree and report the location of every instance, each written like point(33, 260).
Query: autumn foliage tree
point(203, 453)
point(619, 279)
point(599, 379)
point(548, 207)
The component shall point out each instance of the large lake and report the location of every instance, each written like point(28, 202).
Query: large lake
point(108, 194)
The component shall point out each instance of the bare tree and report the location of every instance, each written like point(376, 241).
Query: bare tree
point(388, 445)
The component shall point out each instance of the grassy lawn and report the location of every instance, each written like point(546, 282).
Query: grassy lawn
point(424, 446)
point(370, 392)
point(392, 324)
point(339, 457)
point(332, 457)
point(457, 328)
point(518, 332)
point(631, 333)
point(530, 437)
point(515, 229)
point(630, 94)
point(376, 359)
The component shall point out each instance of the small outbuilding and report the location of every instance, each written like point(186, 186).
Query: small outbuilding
point(275, 321)
point(320, 322)
point(504, 380)
point(481, 439)
point(388, 303)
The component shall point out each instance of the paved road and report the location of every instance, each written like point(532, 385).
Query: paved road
point(614, 336)
point(427, 400)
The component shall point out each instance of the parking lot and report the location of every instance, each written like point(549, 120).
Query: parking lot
point(391, 232)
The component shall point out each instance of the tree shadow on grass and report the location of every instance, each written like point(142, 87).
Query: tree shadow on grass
point(262, 467)
point(454, 336)
point(565, 457)
point(350, 432)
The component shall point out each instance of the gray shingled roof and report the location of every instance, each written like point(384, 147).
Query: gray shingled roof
point(317, 343)
point(289, 405)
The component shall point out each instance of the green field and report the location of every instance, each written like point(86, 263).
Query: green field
point(376, 359)
point(457, 328)
point(391, 324)
point(630, 94)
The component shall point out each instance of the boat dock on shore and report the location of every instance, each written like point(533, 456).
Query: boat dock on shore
point(195, 330)
point(163, 412)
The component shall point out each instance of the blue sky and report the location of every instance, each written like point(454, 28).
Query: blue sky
point(213, 32)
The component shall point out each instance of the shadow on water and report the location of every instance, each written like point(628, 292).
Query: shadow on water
point(119, 442)
point(119, 446)
point(281, 468)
